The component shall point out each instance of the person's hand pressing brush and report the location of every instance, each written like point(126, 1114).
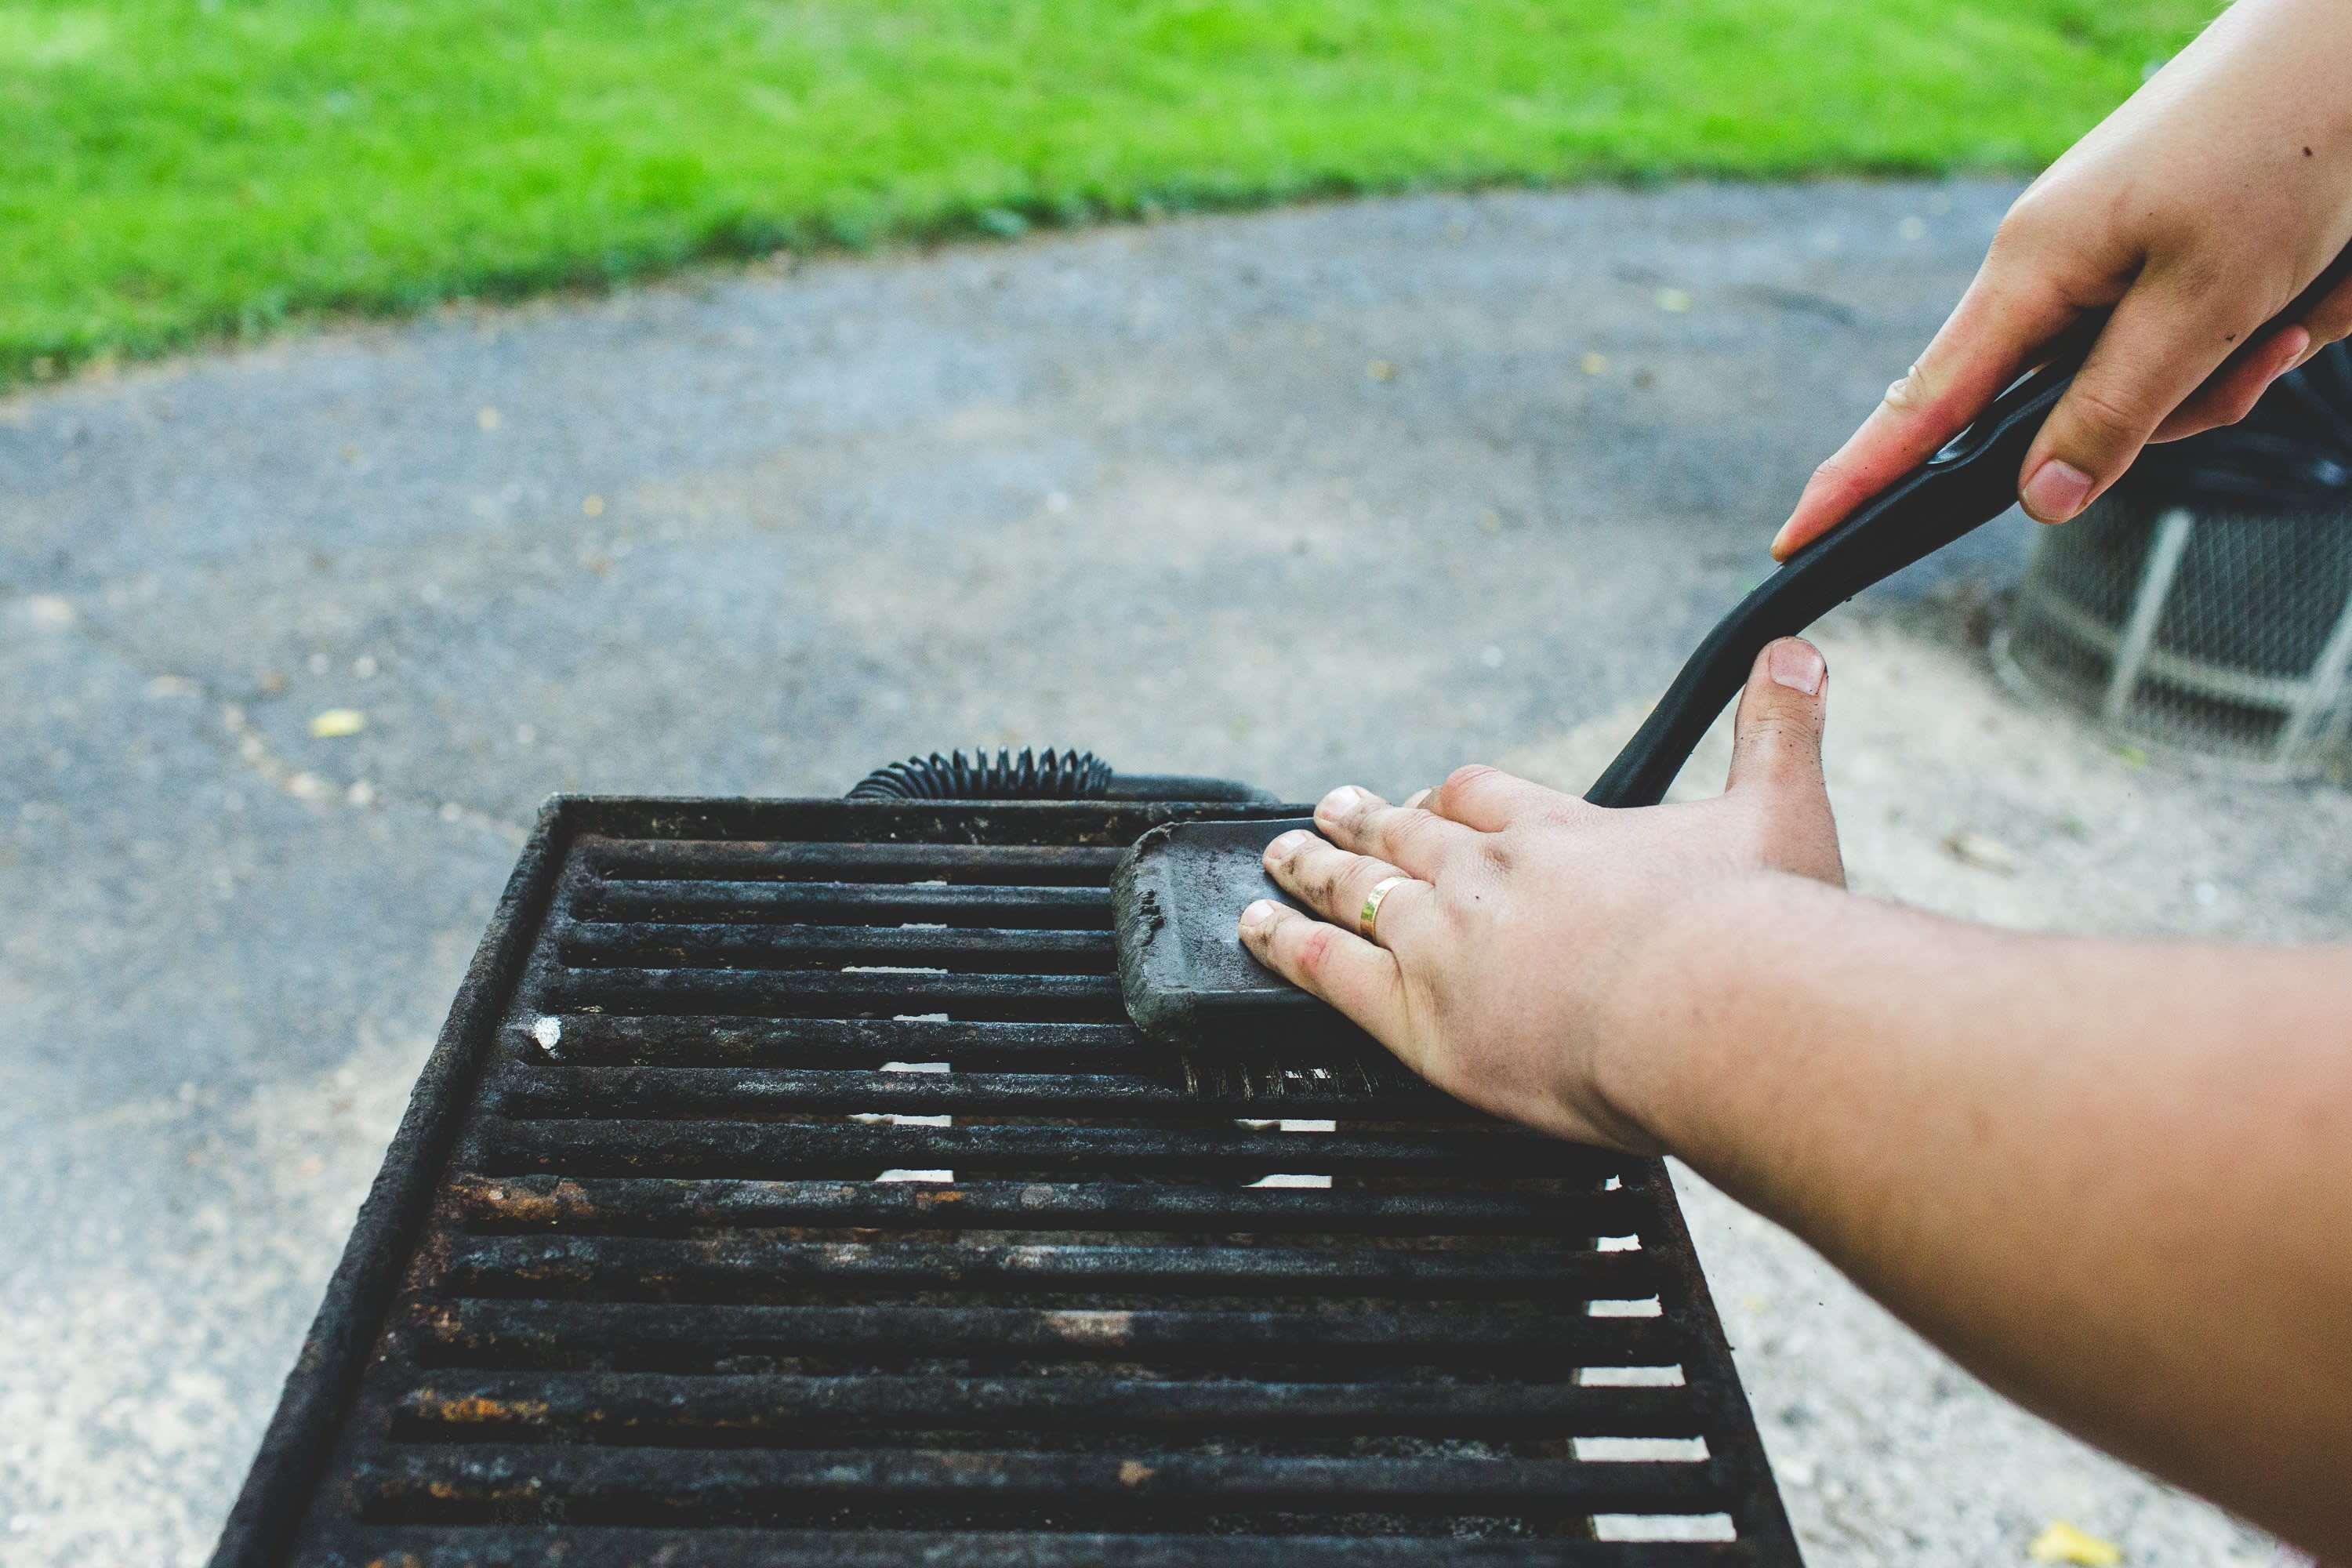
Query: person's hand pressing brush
point(2113, 1178)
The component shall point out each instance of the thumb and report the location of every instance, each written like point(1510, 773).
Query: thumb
point(1776, 756)
point(1775, 740)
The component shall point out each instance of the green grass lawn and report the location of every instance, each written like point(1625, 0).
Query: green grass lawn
point(177, 169)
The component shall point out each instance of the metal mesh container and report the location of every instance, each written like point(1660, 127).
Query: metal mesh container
point(2204, 606)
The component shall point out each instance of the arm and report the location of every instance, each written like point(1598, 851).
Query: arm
point(2113, 1178)
point(2196, 211)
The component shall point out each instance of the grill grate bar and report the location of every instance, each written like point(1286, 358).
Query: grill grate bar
point(594, 1038)
point(642, 1408)
point(869, 903)
point(1459, 1338)
point(533, 1092)
point(627, 1547)
point(777, 1149)
point(1021, 864)
point(625, 1206)
point(980, 950)
point(461, 1482)
point(735, 1268)
point(1084, 998)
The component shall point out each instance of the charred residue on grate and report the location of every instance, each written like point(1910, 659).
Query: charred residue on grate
point(814, 1203)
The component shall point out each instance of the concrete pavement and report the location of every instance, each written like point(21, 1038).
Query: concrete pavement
point(1356, 491)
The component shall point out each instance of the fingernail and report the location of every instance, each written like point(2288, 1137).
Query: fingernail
point(1797, 665)
point(1780, 541)
point(1412, 802)
point(1258, 914)
point(1287, 845)
point(1347, 797)
point(2057, 490)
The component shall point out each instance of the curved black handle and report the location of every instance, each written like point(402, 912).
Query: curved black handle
point(1959, 489)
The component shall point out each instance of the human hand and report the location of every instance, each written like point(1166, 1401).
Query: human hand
point(2197, 211)
point(1496, 973)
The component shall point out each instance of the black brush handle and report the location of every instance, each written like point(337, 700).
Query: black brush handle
point(1959, 489)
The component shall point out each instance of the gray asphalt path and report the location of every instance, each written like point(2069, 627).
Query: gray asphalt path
point(1357, 491)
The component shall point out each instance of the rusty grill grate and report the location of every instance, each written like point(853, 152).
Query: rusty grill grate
point(788, 1187)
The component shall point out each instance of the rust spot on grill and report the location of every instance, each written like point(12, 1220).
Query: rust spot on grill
point(566, 1200)
point(479, 1407)
point(1134, 1473)
point(1091, 1327)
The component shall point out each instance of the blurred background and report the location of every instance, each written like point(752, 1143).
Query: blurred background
point(413, 410)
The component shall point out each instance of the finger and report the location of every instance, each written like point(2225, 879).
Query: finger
point(1335, 882)
point(1407, 837)
point(2156, 349)
point(1991, 336)
point(2330, 321)
point(1776, 738)
point(1362, 981)
point(1413, 801)
point(2230, 392)
point(1490, 800)
point(1776, 758)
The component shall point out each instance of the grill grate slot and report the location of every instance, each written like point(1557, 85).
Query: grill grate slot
point(861, 903)
point(813, 1201)
point(971, 949)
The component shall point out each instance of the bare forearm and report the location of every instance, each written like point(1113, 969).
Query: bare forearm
point(2115, 1179)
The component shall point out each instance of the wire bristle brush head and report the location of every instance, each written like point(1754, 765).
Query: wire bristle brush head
point(1239, 1031)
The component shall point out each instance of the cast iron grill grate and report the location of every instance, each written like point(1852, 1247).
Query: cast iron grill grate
point(788, 1187)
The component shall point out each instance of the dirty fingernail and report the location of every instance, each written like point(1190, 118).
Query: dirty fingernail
point(1347, 797)
point(1288, 844)
point(1797, 665)
point(1258, 914)
point(2057, 490)
point(1780, 541)
point(1412, 802)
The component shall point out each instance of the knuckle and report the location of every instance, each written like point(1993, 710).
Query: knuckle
point(2332, 320)
point(1313, 952)
point(1405, 829)
point(1467, 777)
point(1776, 737)
point(1909, 393)
point(2103, 416)
point(1495, 852)
point(2019, 233)
point(1314, 879)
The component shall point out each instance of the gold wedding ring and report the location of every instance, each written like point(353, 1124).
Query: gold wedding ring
point(1368, 919)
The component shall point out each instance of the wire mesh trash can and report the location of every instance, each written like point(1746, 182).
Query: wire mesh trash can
point(2204, 605)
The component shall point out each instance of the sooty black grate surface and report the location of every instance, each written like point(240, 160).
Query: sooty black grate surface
point(788, 1187)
